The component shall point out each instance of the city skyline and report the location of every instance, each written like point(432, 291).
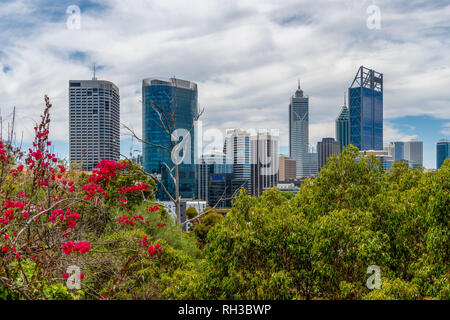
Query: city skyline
point(237, 79)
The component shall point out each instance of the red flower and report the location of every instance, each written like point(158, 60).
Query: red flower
point(154, 208)
point(82, 247)
point(65, 275)
point(154, 250)
point(81, 276)
point(67, 247)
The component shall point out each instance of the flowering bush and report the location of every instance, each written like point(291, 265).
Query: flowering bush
point(49, 214)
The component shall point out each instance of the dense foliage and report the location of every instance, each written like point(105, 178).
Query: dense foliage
point(315, 245)
point(319, 244)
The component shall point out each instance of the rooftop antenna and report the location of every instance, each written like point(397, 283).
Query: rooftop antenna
point(299, 84)
point(94, 78)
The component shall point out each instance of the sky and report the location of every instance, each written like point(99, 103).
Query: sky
point(245, 55)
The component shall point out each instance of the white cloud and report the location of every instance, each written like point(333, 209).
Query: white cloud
point(246, 57)
point(446, 129)
point(391, 133)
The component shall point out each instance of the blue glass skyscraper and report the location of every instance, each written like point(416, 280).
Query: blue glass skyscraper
point(177, 99)
point(442, 152)
point(366, 110)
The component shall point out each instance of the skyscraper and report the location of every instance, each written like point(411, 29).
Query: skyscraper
point(343, 127)
point(409, 151)
point(94, 122)
point(382, 155)
point(389, 147)
point(366, 110)
point(310, 165)
point(326, 148)
point(442, 152)
point(264, 162)
point(299, 131)
point(170, 97)
point(215, 177)
point(237, 150)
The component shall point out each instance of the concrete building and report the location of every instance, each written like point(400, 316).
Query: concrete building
point(286, 168)
point(325, 148)
point(264, 162)
point(237, 150)
point(94, 122)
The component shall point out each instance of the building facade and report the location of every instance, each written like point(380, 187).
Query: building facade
point(299, 130)
point(325, 148)
point(343, 128)
point(410, 152)
point(389, 147)
point(94, 122)
point(215, 177)
point(306, 162)
point(385, 159)
point(264, 162)
point(237, 152)
point(442, 152)
point(310, 165)
point(286, 168)
point(366, 110)
point(176, 99)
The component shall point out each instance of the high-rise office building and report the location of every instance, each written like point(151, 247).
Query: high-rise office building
point(237, 150)
point(442, 152)
point(389, 147)
point(299, 134)
point(215, 176)
point(366, 110)
point(326, 148)
point(172, 99)
point(409, 151)
point(382, 155)
point(286, 168)
point(343, 127)
point(310, 165)
point(94, 122)
point(264, 162)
